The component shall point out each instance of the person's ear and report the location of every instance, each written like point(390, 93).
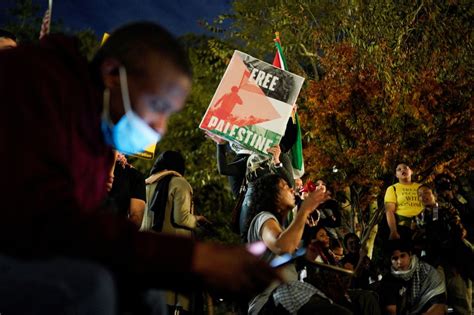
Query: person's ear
point(109, 72)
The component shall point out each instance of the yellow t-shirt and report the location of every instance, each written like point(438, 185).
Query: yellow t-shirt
point(405, 197)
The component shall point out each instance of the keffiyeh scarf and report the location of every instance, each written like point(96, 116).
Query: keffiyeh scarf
point(426, 283)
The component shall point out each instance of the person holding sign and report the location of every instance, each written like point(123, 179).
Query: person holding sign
point(252, 104)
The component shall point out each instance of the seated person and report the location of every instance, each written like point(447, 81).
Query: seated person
point(271, 201)
point(259, 165)
point(441, 234)
point(336, 284)
point(412, 286)
point(357, 260)
point(318, 249)
point(337, 250)
point(328, 213)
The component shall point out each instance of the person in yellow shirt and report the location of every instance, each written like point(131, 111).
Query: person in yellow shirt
point(401, 203)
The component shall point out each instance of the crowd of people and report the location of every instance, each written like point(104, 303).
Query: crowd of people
point(431, 256)
point(83, 232)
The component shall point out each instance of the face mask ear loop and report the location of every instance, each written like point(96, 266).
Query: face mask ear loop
point(106, 105)
point(124, 89)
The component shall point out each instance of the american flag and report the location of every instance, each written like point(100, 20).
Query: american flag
point(45, 26)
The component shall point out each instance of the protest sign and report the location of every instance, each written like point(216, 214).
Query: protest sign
point(252, 103)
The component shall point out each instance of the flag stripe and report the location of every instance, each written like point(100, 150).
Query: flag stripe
point(281, 56)
point(296, 157)
point(46, 23)
point(297, 149)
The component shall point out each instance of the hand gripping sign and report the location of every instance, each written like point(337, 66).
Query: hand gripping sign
point(252, 103)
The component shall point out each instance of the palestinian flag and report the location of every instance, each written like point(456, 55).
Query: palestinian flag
point(297, 149)
point(252, 104)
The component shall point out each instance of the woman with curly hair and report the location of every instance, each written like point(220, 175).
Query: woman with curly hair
point(270, 202)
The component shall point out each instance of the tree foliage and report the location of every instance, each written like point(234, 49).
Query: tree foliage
point(386, 81)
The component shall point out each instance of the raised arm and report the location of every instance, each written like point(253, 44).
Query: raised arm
point(286, 241)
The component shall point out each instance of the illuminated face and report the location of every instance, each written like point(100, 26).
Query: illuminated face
point(403, 172)
point(160, 92)
point(156, 91)
point(400, 260)
point(338, 253)
point(321, 184)
point(426, 196)
point(322, 237)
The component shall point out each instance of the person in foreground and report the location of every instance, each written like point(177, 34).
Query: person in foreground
point(412, 286)
point(60, 117)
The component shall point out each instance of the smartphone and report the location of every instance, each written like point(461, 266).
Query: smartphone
point(287, 258)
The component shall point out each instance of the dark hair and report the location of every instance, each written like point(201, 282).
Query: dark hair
point(404, 163)
point(169, 160)
point(130, 43)
point(335, 243)
point(443, 182)
point(399, 244)
point(347, 237)
point(264, 197)
point(316, 229)
point(7, 34)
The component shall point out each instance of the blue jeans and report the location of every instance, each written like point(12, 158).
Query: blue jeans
point(55, 286)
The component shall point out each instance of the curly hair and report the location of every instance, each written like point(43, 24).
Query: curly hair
point(264, 197)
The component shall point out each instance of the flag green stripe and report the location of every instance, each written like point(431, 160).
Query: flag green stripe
point(280, 52)
point(297, 149)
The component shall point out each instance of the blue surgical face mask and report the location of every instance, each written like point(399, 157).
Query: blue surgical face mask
point(131, 134)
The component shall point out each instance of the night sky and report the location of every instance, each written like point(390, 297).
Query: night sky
point(178, 16)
